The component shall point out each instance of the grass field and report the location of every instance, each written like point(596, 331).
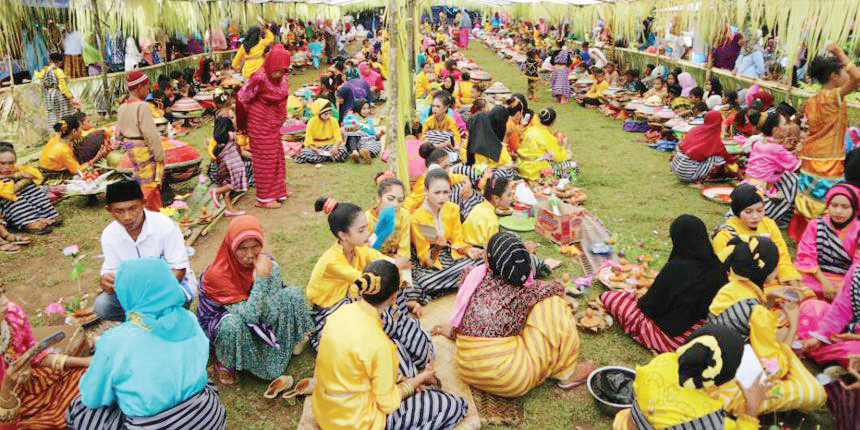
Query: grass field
point(629, 187)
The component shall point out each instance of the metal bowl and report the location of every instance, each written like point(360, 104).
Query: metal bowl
point(608, 408)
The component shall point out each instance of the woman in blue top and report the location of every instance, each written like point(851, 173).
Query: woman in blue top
point(362, 140)
point(750, 62)
point(149, 372)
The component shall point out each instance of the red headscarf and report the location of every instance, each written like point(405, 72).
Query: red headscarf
point(704, 141)
point(227, 280)
point(278, 59)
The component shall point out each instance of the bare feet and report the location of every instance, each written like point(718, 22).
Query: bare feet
point(269, 205)
point(580, 375)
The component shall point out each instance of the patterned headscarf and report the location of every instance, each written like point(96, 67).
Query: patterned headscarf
point(509, 259)
point(754, 258)
point(710, 357)
point(753, 42)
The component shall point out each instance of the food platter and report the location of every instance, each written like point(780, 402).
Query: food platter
point(718, 194)
point(631, 277)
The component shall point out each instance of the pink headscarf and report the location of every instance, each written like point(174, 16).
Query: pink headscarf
point(687, 83)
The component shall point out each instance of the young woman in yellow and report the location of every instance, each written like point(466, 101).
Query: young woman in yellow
point(465, 92)
point(398, 239)
point(439, 129)
point(422, 81)
point(437, 234)
point(58, 155)
point(749, 220)
point(363, 380)
point(331, 284)
point(252, 50)
point(512, 333)
point(323, 138)
point(673, 390)
point(462, 192)
point(485, 152)
point(541, 150)
point(741, 305)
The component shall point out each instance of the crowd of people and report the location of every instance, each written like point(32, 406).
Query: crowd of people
point(511, 325)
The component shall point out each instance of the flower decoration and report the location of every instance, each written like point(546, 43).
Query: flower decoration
point(168, 211)
point(179, 205)
point(54, 309)
point(71, 250)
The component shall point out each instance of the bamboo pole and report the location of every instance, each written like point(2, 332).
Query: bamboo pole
point(106, 96)
point(211, 33)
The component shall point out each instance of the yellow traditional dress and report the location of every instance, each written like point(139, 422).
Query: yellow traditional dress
point(464, 93)
point(822, 155)
point(58, 155)
point(767, 227)
point(664, 403)
point(253, 59)
point(439, 271)
point(399, 242)
point(481, 224)
point(422, 85)
point(333, 275)
point(416, 198)
point(740, 304)
point(539, 150)
point(445, 126)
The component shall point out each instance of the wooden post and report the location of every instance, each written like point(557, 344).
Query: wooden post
point(211, 48)
point(411, 27)
point(391, 98)
point(106, 94)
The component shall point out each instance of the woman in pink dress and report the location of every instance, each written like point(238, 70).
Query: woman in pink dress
point(371, 76)
point(262, 110)
point(835, 334)
point(827, 248)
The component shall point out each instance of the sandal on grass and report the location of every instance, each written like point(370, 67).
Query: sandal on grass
point(580, 375)
point(278, 386)
point(16, 239)
point(269, 205)
point(226, 376)
point(8, 248)
point(305, 387)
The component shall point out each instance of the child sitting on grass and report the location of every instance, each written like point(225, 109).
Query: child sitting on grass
point(592, 97)
point(231, 169)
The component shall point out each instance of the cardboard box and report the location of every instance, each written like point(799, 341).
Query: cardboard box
point(561, 229)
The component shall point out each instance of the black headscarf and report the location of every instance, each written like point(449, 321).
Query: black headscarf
point(754, 259)
point(716, 86)
point(345, 92)
point(509, 259)
point(527, 113)
point(251, 38)
point(744, 196)
point(486, 131)
point(852, 167)
point(687, 284)
point(697, 364)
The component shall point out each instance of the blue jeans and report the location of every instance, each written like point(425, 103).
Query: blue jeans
point(107, 307)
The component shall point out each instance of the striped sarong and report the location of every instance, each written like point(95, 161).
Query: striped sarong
point(203, 411)
point(688, 170)
point(46, 396)
point(713, 421)
point(231, 168)
point(781, 210)
point(547, 347)
point(32, 205)
point(622, 305)
point(475, 175)
point(430, 409)
point(560, 82)
point(736, 316)
point(309, 156)
point(832, 256)
point(467, 204)
point(212, 172)
point(844, 405)
point(144, 168)
point(429, 283)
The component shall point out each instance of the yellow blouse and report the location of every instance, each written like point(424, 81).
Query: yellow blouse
point(7, 188)
point(767, 227)
point(333, 276)
point(505, 159)
point(356, 371)
point(597, 89)
point(538, 141)
point(762, 322)
point(449, 221)
point(422, 85)
point(447, 124)
point(667, 404)
point(416, 198)
point(398, 244)
point(464, 94)
point(58, 155)
point(254, 59)
point(481, 224)
point(322, 133)
point(61, 79)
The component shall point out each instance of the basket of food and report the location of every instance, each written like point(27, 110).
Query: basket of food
point(182, 163)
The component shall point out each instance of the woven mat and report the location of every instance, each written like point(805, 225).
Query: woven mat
point(593, 231)
point(436, 312)
point(499, 411)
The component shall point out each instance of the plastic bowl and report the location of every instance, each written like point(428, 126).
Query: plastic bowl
point(608, 408)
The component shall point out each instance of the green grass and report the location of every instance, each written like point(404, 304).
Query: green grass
point(629, 187)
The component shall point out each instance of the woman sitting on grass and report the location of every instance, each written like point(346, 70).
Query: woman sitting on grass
point(331, 283)
point(164, 345)
point(673, 390)
point(323, 139)
point(389, 221)
point(252, 319)
point(677, 303)
point(437, 234)
point(462, 191)
point(23, 204)
point(367, 380)
point(541, 149)
point(439, 129)
point(58, 156)
point(485, 146)
point(701, 155)
point(511, 331)
point(742, 305)
point(362, 140)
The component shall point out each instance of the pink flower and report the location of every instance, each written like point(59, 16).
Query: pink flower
point(202, 178)
point(771, 365)
point(54, 309)
point(70, 250)
point(179, 204)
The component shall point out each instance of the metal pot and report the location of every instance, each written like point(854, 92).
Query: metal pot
point(608, 408)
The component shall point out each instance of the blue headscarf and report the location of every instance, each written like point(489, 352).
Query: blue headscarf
point(152, 299)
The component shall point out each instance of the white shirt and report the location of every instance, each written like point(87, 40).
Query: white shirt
point(159, 237)
point(73, 43)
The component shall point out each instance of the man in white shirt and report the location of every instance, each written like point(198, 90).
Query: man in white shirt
point(134, 233)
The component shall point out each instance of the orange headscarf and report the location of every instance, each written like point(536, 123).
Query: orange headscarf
point(227, 280)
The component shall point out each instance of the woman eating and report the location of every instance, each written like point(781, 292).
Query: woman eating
point(323, 138)
point(742, 306)
point(332, 281)
point(362, 139)
point(364, 380)
point(827, 248)
point(168, 351)
point(262, 110)
point(748, 220)
point(437, 234)
point(23, 204)
point(701, 154)
point(541, 149)
point(389, 221)
point(511, 331)
point(677, 302)
point(673, 390)
point(252, 319)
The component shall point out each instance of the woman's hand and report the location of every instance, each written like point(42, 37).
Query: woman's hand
point(810, 345)
point(475, 253)
point(845, 337)
point(854, 370)
point(415, 308)
point(443, 330)
point(466, 191)
point(263, 265)
point(402, 263)
point(756, 394)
